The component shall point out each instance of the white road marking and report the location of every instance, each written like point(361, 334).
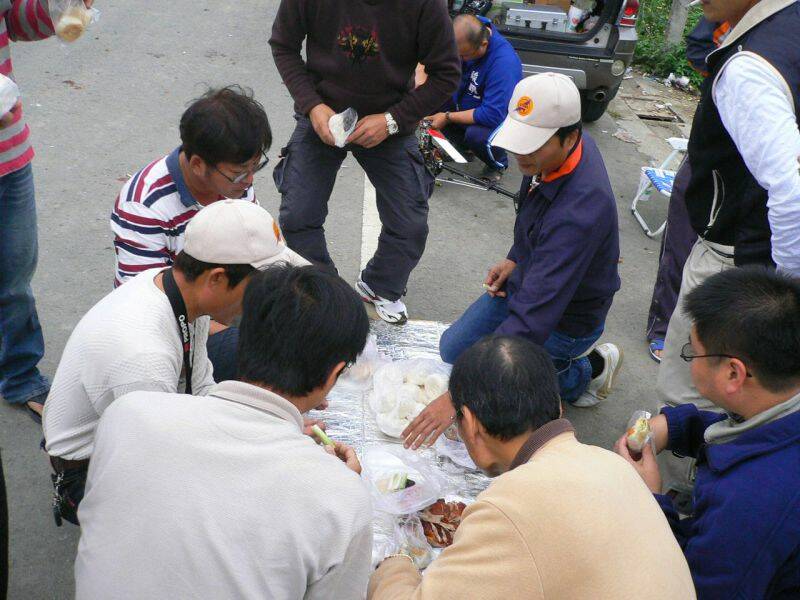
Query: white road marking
point(370, 223)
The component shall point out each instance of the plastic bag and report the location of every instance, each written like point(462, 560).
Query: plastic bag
point(454, 449)
point(639, 433)
point(342, 125)
point(385, 466)
point(359, 376)
point(71, 18)
point(9, 94)
point(410, 539)
point(402, 390)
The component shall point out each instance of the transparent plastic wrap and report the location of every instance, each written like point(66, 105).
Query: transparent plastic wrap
point(402, 389)
point(400, 481)
point(342, 125)
point(359, 376)
point(450, 445)
point(639, 434)
point(71, 18)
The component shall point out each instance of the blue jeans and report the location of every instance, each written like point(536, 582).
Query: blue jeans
point(476, 138)
point(487, 313)
point(21, 341)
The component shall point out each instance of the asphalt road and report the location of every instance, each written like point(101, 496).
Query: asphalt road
point(105, 106)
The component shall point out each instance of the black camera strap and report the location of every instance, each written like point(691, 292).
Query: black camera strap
point(179, 309)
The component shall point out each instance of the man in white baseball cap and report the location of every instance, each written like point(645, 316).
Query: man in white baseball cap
point(150, 334)
point(556, 284)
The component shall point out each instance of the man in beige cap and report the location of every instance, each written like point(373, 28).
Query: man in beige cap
point(150, 334)
point(557, 282)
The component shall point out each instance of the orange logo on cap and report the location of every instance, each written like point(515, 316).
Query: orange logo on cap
point(277, 231)
point(524, 106)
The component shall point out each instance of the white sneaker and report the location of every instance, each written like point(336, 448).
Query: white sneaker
point(391, 311)
point(600, 387)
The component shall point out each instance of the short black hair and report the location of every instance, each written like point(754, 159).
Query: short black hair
point(225, 125)
point(509, 384)
point(477, 31)
point(563, 132)
point(191, 268)
point(297, 324)
point(752, 313)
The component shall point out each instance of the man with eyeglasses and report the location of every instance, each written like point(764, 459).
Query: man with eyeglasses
point(742, 536)
point(225, 135)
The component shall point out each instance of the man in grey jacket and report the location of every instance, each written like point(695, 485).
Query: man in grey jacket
point(223, 496)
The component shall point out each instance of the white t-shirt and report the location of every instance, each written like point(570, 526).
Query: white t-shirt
point(210, 498)
point(126, 342)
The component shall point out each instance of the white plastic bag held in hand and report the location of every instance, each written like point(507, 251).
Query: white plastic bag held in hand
point(71, 18)
point(342, 125)
point(9, 94)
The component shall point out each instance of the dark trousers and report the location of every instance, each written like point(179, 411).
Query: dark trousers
point(676, 244)
point(305, 177)
point(223, 350)
point(3, 535)
point(476, 138)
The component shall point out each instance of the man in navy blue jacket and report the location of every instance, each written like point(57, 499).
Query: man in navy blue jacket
point(557, 283)
point(490, 68)
point(743, 538)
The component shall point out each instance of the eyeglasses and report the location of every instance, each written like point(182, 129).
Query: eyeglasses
point(242, 176)
point(687, 355)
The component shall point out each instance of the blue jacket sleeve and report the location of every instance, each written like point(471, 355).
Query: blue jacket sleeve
point(686, 426)
point(505, 73)
point(558, 264)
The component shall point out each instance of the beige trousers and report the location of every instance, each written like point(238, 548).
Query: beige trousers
point(675, 385)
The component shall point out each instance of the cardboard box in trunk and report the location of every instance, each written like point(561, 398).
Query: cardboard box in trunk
point(562, 4)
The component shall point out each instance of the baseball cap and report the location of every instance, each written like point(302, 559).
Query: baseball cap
point(237, 232)
point(540, 105)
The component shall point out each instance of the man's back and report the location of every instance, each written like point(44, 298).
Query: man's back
point(591, 526)
point(234, 502)
point(126, 342)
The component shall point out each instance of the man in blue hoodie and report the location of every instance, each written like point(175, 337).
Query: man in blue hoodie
point(490, 68)
point(743, 538)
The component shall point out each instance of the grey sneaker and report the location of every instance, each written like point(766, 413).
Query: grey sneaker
point(391, 311)
point(600, 387)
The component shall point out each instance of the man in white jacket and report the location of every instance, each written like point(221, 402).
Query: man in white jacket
point(223, 496)
point(151, 334)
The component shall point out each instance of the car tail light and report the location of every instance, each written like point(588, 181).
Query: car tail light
point(630, 13)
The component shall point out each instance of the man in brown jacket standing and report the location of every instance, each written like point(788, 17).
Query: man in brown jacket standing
point(361, 54)
point(563, 520)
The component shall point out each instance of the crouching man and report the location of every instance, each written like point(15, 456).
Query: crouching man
point(150, 334)
point(223, 496)
point(743, 538)
point(561, 521)
point(557, 283)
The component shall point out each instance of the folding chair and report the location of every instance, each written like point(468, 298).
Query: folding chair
point(659, 179)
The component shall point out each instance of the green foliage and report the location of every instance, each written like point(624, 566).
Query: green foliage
point(652, 53)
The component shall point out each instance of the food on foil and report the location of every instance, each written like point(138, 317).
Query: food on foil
point(402, 390)
point(440, 521)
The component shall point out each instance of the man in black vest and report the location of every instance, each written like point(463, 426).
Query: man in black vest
point(743, 198)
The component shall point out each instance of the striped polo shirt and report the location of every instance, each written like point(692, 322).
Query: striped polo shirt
point(22, 20)
point(150, 216)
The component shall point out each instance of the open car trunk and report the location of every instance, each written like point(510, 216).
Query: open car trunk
point(550, 19)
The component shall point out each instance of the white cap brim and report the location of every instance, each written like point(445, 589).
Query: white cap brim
point(287, 256)
point(520, 138)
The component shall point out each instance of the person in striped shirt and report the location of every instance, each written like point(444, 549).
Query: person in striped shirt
point(21, 340)
point(225, 135)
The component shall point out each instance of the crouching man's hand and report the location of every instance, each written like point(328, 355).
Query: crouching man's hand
point(646, 466)
point(346, 454)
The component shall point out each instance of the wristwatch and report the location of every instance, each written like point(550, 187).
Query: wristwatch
point(391, 124)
